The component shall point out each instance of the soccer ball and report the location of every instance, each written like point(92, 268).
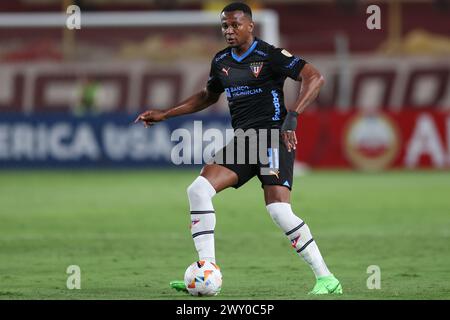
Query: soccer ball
point(203, 278)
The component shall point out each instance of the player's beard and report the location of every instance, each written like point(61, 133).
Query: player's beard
point(234, 46)
point(234, 43)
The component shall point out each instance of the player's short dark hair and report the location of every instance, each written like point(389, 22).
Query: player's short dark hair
point(238, 6)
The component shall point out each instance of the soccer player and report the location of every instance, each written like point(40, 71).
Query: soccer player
point(252, 74)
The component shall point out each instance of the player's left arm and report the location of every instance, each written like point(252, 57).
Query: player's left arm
point(311, 82)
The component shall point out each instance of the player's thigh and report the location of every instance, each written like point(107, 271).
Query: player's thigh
point(233, 161)
point(276, 193)
point(219, 176)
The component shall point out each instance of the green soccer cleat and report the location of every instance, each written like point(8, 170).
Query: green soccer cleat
point(178, 285)
point(327, 285)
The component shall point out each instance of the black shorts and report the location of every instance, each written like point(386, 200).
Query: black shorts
point(259, 153)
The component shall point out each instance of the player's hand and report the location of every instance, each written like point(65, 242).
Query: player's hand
point(289, 139)
point(288, 130)
point(150, 117)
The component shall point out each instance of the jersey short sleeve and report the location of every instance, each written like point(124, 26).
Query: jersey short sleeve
point(214, 84)
point(286, 64)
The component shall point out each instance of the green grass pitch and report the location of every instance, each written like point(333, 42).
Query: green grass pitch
point(128, 231)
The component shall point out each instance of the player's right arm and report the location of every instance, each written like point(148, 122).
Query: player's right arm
point(195, 103)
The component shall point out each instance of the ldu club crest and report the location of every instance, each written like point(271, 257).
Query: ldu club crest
point(256, 68)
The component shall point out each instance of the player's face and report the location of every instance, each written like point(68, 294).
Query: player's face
point(237, 28)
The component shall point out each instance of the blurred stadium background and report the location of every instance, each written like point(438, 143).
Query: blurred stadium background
point(68, 99)
point(384, 104)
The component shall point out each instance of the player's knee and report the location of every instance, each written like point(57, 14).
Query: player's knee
point(200, 189)
point(281, 213)
point(277, 210)
point(193, 191)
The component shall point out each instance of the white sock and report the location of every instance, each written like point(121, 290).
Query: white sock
point(203, 218)
point(300, 236)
